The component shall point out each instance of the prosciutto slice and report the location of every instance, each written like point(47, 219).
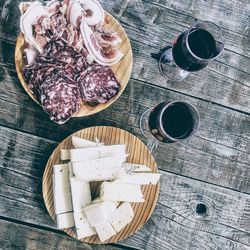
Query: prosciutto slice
point(101, 56)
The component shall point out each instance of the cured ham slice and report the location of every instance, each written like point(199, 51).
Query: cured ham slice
point(106, 37)
point(102, 57)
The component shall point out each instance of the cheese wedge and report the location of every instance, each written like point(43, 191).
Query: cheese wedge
point(105, 231)
point(139, 178)
point(79, 142)
point(81, 197)
point(100, 163)
point(121, 192)
point(64, 154)
point(98, 213)
point(131, 167)
point(83, 227)
point(99, 199)
point(84, 154)
point(122, 216)
point(98, 175)
point(61, 189)
point(65, 220)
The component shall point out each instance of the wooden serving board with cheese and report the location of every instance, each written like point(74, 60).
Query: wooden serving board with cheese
point(137, 153)
point(122, 69)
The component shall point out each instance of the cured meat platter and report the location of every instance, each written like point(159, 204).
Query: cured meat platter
point(137, 155)
point(121, 69)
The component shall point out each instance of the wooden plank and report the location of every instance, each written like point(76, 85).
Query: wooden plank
point(18, 236)
point(175, 224)
point(219, 154)
point(225, 81)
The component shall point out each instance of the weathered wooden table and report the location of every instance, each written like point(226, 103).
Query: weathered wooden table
point(204, 199)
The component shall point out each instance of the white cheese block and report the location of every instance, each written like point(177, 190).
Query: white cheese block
point(84, 154)
point(105, 231)
point(61, 189)
point(139, 178)
point(65, 220)
point(79, 142)
point(121, 192)
point(83, 227)
point(100, 163)
point(122, 216)
point(81, 195)
point(99, 199)
point(98, 174)
point(131, 167)
point(98, 213)
point(64, 154)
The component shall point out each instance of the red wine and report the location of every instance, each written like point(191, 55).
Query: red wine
point(201, 44)
point(170, 122)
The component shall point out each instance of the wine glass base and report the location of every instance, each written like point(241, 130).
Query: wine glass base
point(169, 69)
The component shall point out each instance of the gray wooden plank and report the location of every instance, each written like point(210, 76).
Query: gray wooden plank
point(23, 237)
point(174, 224)
point(225, 81)
point(219, 154)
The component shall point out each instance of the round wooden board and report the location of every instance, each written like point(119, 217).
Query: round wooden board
point(122, 69)
point(138, 153)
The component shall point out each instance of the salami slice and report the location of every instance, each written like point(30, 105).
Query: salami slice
point(98, 84)
point(60, 98)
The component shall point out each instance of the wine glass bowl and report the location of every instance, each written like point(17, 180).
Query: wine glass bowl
point(192, 50)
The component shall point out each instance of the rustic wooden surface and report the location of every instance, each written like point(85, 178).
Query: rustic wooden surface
point(213, 169)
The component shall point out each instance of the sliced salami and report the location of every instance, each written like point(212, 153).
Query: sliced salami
point(60, 98)
point(98, 84)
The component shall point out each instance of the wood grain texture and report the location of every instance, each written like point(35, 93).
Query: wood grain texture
point(137, 153)
point(27, 237)
point(174, 223)
point(152, 25)
point(122, 69)
point(219, 154)
point(206, 170)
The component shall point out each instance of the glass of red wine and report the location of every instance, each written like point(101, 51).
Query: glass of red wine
point(169, 122)
point(192, 50)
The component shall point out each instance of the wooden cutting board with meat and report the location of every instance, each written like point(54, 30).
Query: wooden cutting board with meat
point(72, 58)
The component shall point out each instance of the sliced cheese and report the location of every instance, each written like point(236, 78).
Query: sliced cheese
point(99, 199)
point(79, 142)
point(65, 220)
point(139, 178)
point(98, 213)
point(84, 154)
point(83, 227)
point(121, 192)
point(64, 154)
point(98, 174)
point(61, 189)
point(105, 231)
point(131, 167)
point(122, 216)
point(100, 163)
point(81, 195)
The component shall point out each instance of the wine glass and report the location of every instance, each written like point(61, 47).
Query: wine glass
point(192, 50)
point(169, 122)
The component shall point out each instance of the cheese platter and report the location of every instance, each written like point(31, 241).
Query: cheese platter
point(116, 201)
